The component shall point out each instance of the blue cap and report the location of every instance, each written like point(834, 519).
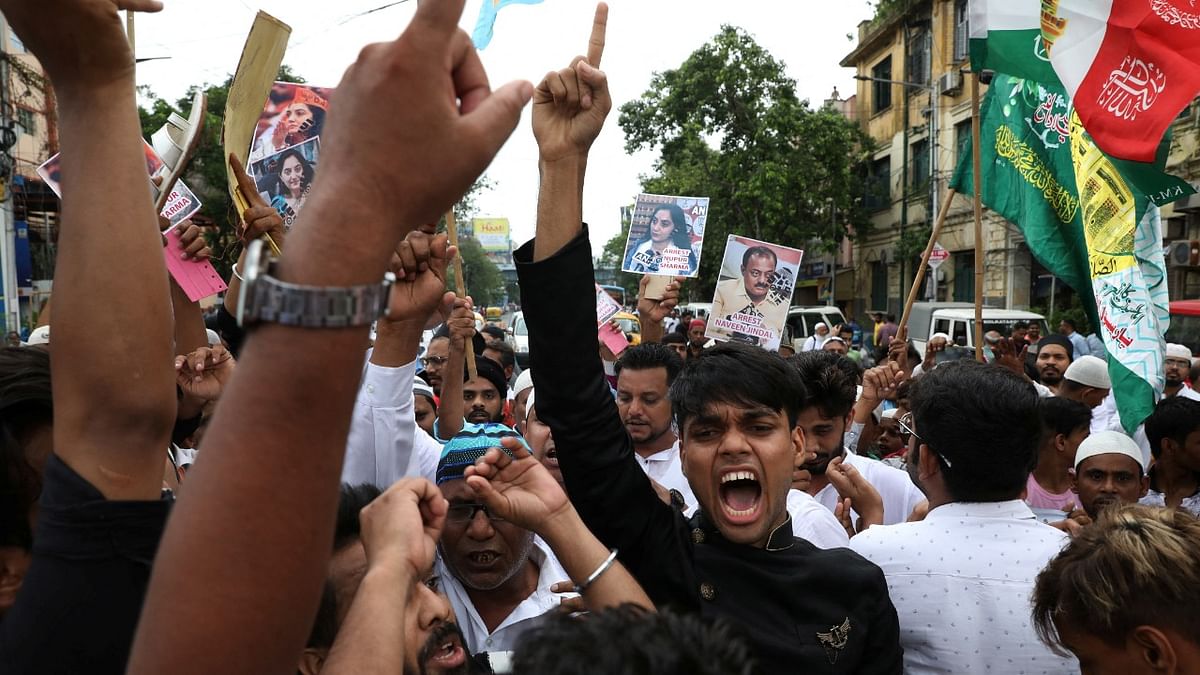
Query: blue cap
point(469, 445)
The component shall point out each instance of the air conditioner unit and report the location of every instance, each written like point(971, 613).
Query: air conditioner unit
point(950, 83)
point(1183, 253)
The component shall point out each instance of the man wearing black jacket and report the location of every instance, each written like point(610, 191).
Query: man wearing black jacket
point(802, 609)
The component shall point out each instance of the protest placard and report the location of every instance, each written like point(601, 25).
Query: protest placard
point(285, 178)
point(198, 278)
point(181, 203)
point(606, 307)
point(754, 292)
point(293, 114)
point(666, 235)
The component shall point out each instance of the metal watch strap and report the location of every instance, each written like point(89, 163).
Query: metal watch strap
point(318, 307)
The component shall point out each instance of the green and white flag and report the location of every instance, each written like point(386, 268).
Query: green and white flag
point(1006, 36)
point(1037, 161)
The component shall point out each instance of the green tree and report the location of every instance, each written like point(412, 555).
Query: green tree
point(485, 283)
point(729, 126)
point(206, 173)
point(613, 256)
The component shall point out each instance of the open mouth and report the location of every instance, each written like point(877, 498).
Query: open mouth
point(447, 655)
point(478, 416)
point(483, 558)
point(741, 496)
point(551, 457)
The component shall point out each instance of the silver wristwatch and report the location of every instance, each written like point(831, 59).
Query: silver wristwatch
point(264, 298)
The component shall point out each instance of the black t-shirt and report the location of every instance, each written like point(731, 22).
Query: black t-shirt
point(78, 607)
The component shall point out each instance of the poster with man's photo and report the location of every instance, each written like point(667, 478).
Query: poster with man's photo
point(285, 178)
point(293, 114)
point(754, 292)
point(666, 235)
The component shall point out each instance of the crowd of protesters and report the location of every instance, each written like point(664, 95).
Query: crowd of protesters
point(296, 496)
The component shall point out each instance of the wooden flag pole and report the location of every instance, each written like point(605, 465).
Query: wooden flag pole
point(460, 287)
point(933, 237)
point(976, 169)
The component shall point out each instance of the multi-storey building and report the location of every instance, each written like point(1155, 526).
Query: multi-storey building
point(913, 98)
point(29, 211)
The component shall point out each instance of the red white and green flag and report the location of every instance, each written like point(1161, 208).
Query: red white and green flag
point(1129, 66)
point(1006, 36)
point(1090, 219)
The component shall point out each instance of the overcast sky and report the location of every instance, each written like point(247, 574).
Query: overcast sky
point(204, 41)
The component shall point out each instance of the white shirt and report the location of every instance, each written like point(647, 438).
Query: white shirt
point(815, 342)
point(385, 444)
point(666, 469)
point(1187, 392)
point(961, 581)
point(815, 523)
point(899, 494)
point(523, 617)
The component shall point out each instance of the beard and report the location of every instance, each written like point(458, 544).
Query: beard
point(1050, 376)
point(820, 464)
point(1172, 381)
point(434, 643)
point(480, 416)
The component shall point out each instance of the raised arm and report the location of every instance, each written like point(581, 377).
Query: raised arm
point(608, 488)
point(383, 437)
point(107, 219)
point(518, 488)
point(414, 117)
point(653, 310)
point(452, 407)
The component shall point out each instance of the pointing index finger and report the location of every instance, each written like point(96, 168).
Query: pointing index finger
point(596, 42)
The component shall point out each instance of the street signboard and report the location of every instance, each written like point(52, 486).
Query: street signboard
point(938, 256)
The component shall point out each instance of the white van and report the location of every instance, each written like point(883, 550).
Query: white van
point(957, 319)
point(802, 321)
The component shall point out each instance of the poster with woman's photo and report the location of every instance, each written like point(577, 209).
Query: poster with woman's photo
point(754, 292)
point(285, 178)
point(666, 235)
point(293, 114)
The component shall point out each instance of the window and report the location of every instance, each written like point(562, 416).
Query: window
point(920, 165)
point(964, 276)
point(962, 30)
point(879, 285)
point(919, 47)
point(962, 140)
point(882, 90)
point(26, 121)
point(879, 185)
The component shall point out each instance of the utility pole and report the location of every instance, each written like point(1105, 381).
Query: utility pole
point(836, 246)
point(8, 242)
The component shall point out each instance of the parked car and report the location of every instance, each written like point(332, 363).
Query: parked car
point(631, 325)
point(957, 319)
point(803, 319)
point(1185, 324)
point(519, 332)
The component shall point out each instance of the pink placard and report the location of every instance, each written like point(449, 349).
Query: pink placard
point(613, 338)
point(197, 278)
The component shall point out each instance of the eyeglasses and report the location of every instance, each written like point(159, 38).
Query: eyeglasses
point(905, 423)
point(438, 360)
point(465, 513)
